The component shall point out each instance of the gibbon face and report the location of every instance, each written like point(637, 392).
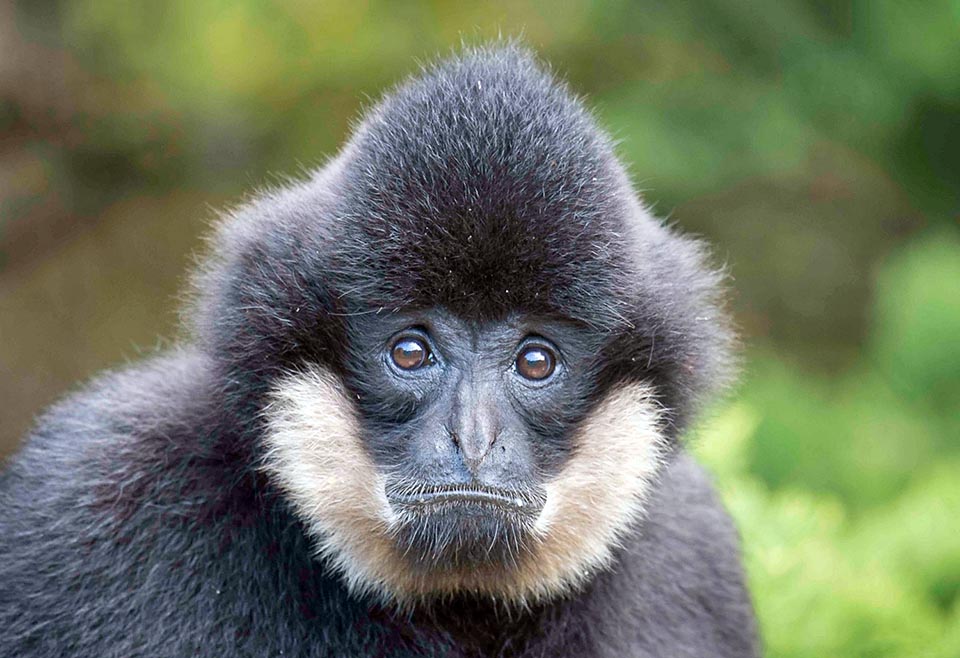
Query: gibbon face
point(467, 461)
point(464, 344)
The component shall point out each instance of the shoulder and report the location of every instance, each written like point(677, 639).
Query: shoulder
point(688, 532)
point(128, 399)
point(686, 494)
point(93, 528)
point(685, 570)
point(77, 442)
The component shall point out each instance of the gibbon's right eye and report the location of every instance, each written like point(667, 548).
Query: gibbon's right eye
point(410, 353)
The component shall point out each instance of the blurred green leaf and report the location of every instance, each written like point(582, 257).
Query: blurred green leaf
point(916, 337)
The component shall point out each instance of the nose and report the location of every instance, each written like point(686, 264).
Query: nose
point(475, 424)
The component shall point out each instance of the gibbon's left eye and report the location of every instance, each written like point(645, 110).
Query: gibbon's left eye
point(536, 362)
point(410, 353)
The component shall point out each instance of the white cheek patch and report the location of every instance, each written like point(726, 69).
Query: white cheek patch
point(601, 491)
point(316, 456)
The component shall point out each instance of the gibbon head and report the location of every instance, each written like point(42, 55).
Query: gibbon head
point(464, 343)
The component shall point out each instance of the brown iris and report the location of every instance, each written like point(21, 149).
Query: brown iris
point(536, 362)
point(410, 353)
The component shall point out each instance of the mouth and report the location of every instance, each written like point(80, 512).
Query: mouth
point(425, 498)
point(455, 526)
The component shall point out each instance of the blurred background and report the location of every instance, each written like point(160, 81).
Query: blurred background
point(815, 143)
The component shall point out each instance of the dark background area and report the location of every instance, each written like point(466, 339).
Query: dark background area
point(816, 144)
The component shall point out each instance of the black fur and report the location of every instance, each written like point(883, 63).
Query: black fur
point(134, 522)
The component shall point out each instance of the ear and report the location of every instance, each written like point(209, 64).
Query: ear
point(265, 298)
point(682, 336)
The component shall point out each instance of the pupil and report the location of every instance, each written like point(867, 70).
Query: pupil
point(409, 354)
point(536, 364)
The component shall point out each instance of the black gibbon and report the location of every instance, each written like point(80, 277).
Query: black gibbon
point(430, 404)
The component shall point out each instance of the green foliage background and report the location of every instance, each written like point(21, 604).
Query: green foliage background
point(816, 143)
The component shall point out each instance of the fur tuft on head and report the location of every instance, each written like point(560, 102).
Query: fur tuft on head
point(483, 186)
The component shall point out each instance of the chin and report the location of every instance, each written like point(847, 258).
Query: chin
point(451, 528)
